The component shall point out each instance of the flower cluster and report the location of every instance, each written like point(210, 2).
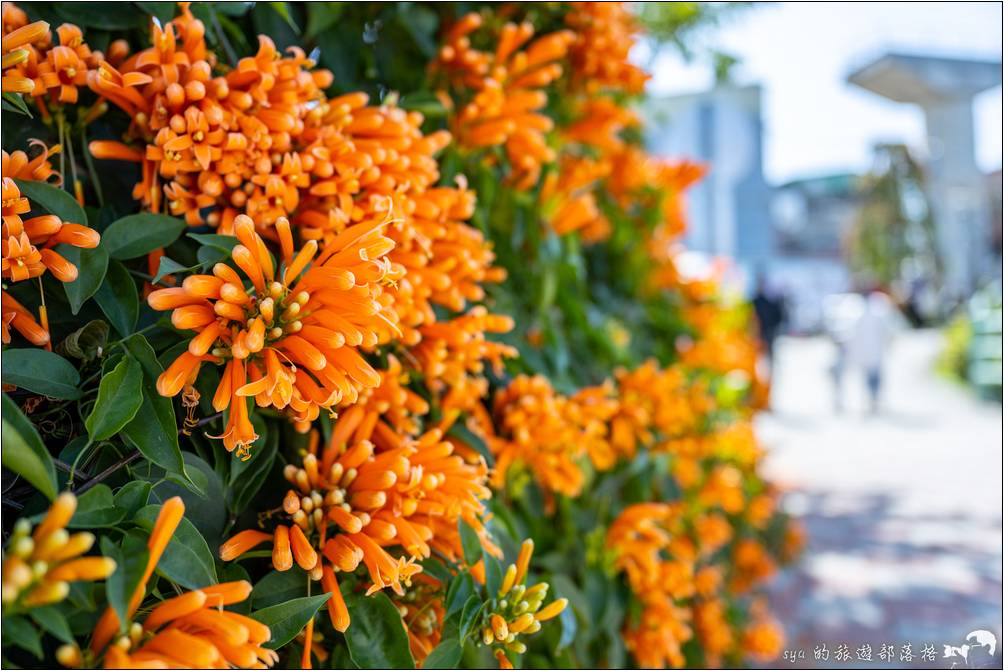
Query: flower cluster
point(605, 33)
point(503, 92)
point(369, 490)
point(214, 146)
point(517, 609)
point(33, 63)
point(191, 630)
point(290, 339)
point(28, 244)
point(39, 564)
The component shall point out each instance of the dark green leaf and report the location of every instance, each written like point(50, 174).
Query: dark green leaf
point(446, 655)
point(288, 619)
point(224, 243)
point(164, 11)
point(493, 574)
point(460, 589)
point(168, 266)
point(377, 639)
point(91, 267)
point(469, 616)
point(87, 342)
point(118, 299)
point(187, 559)
point(130, 559)
point(96, 508)
point(103, 15)
point(53, 200)
point(470, 542)
point(133, 496)
point(154, 429)
point(53, 621)
point(202, 508)
point(139, 234)
point(20, 633)
point(279, 587)
point(120, 395)
point(23, 451)
point(40, 371)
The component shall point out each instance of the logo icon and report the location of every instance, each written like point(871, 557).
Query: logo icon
point(976, 653)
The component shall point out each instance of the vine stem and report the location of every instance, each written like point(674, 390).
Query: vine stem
point(129, 458)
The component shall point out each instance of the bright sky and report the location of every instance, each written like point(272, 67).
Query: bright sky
point(814, 122)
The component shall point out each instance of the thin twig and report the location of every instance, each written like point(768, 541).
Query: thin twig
point(124, 461)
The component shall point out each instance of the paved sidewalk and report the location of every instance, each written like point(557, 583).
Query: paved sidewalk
point(903, 509)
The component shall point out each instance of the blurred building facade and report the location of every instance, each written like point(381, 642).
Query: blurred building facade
point(723, 128)
point(795, 233)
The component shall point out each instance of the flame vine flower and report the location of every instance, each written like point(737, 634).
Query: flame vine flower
point(289, 339)
point(39, 564)
point(191, 630)
point(28, 243)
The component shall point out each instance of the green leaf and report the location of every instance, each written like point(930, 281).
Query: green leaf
point(18, 632)
point(133, 496)
point(168, 266)
point(286, 620)
point(92, 264)
point(493, 574)
point(470, 542)
point(130, 563)
point(87, 342)
point(469, 616)
point(460, 589)
point(53, 621)
point(96, 508)
point(120, 395)
point(40, 371)
point(14, 102)
point(164, 11)
point(202, 508)
point(446, 655)
point(23, 451)
point(118, 299)
point(139, 234)
point(154, 429)
point(53, 200)
point(279, 587)
point(377, 639)
point(224, 243)
point(187, 559)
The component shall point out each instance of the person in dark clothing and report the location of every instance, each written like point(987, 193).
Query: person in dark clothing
point(770, 314)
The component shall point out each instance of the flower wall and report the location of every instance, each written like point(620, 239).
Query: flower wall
point(354, 335)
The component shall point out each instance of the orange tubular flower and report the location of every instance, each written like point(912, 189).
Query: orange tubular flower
point(572, 203)
point(541, 430)
point(605, 32)
point(50, 546)
point(28, 244)
point(359, 498)
point(223, 143)
point(187, 631)
point(505, 92)
point(18, 38)
point(289, 339)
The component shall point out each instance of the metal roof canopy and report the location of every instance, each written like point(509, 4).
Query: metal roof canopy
point(926, 80)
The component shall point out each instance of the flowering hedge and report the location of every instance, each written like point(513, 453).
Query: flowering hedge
point(363, 343)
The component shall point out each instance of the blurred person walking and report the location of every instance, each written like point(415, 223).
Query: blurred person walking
point(771, 315)
point(869, 342)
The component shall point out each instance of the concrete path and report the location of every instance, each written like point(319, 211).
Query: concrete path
point(903, 511)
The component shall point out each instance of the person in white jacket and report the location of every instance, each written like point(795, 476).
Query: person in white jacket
point(869, 342)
